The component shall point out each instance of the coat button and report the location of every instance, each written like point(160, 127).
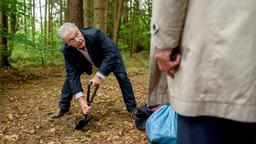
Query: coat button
point(154, 27)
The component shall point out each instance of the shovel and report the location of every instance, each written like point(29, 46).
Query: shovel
point(85, 119)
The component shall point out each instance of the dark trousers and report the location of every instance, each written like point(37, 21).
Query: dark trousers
point(127, 92)
point(66, 96)
point(213, 130)
point(124, 83)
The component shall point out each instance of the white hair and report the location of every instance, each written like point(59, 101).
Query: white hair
point(65, 27)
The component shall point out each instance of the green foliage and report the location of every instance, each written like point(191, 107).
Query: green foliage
point(138, 60)
point(137, 28)
point(142, 35)
point(134, 34)
point(36, 55)
point(38, 52)
point(25, 50)
point(10, 7)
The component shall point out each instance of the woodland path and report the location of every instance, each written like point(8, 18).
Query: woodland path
point(28, 97)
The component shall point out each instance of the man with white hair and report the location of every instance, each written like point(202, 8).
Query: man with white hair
point(86, 48)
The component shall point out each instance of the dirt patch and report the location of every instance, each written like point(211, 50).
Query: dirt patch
point(28, 97)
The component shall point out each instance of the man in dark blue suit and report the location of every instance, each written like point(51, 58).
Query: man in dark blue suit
point(86, 48)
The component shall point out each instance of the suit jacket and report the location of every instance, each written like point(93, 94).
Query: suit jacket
point(103, 52)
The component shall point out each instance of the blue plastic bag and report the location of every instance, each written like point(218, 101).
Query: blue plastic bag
point(161, 126)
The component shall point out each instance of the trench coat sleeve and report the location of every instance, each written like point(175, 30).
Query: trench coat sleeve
point(166, 28)
point(167, 22)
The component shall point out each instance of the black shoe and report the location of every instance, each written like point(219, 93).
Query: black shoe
point(59, 114)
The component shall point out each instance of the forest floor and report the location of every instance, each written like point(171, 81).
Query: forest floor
point(29, 96)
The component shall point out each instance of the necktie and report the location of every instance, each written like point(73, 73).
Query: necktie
point(86, 54)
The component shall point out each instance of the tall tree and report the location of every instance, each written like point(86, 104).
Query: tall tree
point(110, 17)
point(41, 18)
point(126, 20)
point(99, 12)
point(13, 20)
point(42, 33)
point(118, 20)
point(106, 15)
point(50, 24)
point(76, 12)
point(115, 9)
point(131, 27)
point(88, 13)
point(136, 28)
point(3, 39)
point(133, 32)
point(61, 12)
point(45, 21)
point(25, 21)
point(66, 10)
point(33, 21)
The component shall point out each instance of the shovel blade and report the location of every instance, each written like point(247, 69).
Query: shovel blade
point(82, 123)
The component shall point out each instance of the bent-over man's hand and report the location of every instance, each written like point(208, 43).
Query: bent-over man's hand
point(96, 80)
point(164, 61)
point(85, 108)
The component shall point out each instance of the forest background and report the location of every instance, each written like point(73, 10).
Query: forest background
point(29, 28)
point(32, 70)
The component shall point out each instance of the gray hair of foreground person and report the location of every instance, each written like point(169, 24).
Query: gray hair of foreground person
point(65, 27)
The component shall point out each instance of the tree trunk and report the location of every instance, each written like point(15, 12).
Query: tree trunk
point(131, 29)
point(61, 12)
point(41, 18)
point(66, 10)
point(45, 22)
point(126, 20)
point(106, 15)
point(88, 13)
point(99, 10)
point(25, 23)
point(136, 28)
point(41, 35)
point(125, 12)
point(1, 40)
point(109, 21)
point(4, 63)
point(115, 10)
point(117, 21)
point(33, 21)
point(13, 20)
point(76, 13)
point(49, 23)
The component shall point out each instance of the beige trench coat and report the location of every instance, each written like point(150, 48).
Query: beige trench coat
point(217, 74)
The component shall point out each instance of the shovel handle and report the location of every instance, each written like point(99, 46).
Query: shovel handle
point(91, 97)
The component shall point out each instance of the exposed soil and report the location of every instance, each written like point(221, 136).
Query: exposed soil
point(28, 98)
